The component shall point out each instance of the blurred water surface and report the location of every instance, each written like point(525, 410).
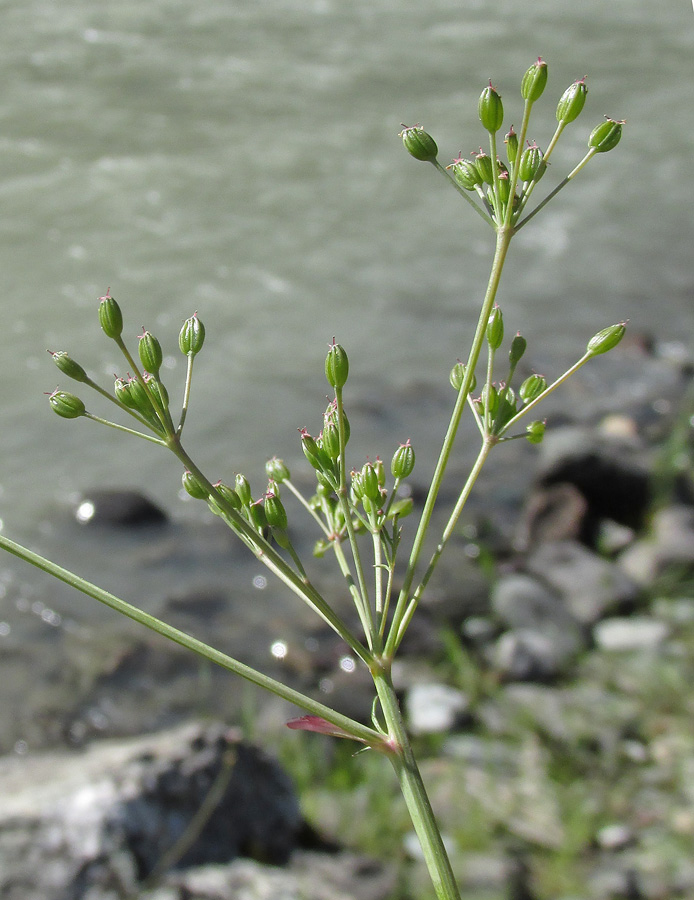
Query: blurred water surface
point(241, 159)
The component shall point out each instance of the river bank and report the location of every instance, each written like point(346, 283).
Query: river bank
point(547, 677)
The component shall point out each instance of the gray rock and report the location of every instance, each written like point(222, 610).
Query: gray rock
point(309, 876)
point(669, 546)
point(433, 708)
point(522, 602)
point(591, 587)
point(634, 633)
point(614, 837)
point(527, 655)
point(558, 512)
point(83, 825)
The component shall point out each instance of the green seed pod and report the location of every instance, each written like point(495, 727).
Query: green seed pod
point(357, 485)
point(315, 454)
point(571, 102)
point(458, 374)
point(532, 387)
point(322, 490)
point(532, 164)
point(338, 520)
point(490, 109)
point(495, 329)
point(277, 470)
point(505, 410)
point(402, 463)
point(327, 483)
point(380, 472)
point(370, 506)
point(465, 173)
point(191, 336)
point(606, 339)
point(140, 398)
point(336, 366)
point(150, 353)
point(511, 141)
point(369, 482)
point(518, 345)
point(535, 432)
point(229, 494)
point(110, 317)
point(243, 489)
point(193, 486)
point(121, 389)
point(534, 81)
point(330, 441)
point(68, 366)
point(418, 143)
point(158, 390)
point(330, 417)
point(66, 405)
point(504, 187)
point(605, 136)
point(320, 548)
point(484, 166)
point(490, 399)
point(258, 517)
point(401, 508)
point(275, 512)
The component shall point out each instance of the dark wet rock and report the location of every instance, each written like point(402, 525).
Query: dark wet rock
point(612, 474)
point(118, 508)
point(522, 602)
point(81, 825)
point(519, 877)
point(591, 587)
point(434, 708)
point(668, 547)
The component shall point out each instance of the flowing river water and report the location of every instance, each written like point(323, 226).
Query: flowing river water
point(242, 159)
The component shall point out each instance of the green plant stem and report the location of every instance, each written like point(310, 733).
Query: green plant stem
point(463, 193)
point(495, 176)
point(146, 437)
point(360, 732)
point(378, 576)
point(503, 240)
point(302, 500)
point(269, 557)
point(591, 153)
point(515, 169)
point(414, 792)
point(489, 443)
point(547, 391)
point(104, 393)
point(555, 137)
point(365, 611)
point(163, 414)
point(186, 392)
point(351, 585)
